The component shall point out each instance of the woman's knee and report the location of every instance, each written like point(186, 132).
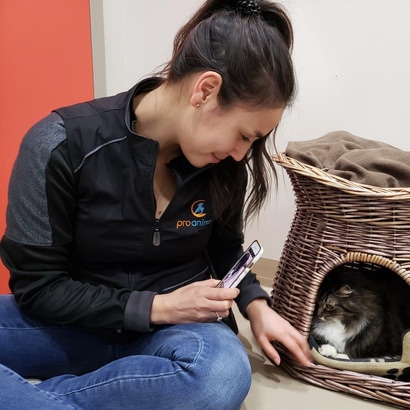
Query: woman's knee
point(223, 372)
point(209, 362)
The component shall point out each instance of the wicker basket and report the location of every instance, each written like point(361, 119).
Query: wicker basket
point(339, 222)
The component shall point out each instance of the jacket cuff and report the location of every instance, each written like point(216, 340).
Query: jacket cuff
point(138, 311)
point(250, 293)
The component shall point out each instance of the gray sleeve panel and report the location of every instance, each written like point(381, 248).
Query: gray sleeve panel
point(27, 212)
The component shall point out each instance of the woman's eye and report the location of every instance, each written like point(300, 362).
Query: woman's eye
point(246, 139)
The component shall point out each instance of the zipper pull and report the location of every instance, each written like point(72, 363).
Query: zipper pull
point(156, 240)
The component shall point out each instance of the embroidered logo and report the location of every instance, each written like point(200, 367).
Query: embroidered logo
point(198, 211)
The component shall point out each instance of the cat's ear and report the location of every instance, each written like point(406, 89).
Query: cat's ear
point(345, 291)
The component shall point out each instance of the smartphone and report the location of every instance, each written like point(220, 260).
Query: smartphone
point(242, 266)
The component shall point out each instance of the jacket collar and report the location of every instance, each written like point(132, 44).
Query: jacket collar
point(143, 86)
point(182, 168)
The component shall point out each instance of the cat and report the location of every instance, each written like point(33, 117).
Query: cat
point(361, 312)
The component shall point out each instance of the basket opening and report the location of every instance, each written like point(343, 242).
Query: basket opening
point(361, 316)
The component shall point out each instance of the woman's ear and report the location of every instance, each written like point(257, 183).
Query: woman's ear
point(205, 88)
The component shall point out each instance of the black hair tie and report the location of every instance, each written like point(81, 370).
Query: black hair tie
point(248, 7)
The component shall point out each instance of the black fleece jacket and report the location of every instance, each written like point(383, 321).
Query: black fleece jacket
point(82, 243)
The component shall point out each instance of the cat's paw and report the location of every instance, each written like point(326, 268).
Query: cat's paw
point(329, 350)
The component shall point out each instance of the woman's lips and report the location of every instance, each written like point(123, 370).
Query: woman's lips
point(215, 159)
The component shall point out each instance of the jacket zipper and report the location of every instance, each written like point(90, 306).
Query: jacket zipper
point(156, 240)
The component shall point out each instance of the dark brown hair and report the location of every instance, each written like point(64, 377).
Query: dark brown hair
point(251, 52)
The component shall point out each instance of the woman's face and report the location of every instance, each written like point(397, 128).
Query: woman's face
point(216, 133)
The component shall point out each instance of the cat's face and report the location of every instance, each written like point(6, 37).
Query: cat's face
point(329, 309)
point(341, 305)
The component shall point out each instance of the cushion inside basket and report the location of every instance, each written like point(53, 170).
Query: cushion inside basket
point(391, 367)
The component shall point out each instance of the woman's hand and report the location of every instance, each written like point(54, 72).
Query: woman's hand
point(268, 326)
point(197, 302)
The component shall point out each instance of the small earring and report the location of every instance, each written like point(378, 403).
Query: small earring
point(197, 105)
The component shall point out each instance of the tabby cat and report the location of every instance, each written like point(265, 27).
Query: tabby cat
point(362, 312)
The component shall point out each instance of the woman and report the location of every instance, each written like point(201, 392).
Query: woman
point(125, 210)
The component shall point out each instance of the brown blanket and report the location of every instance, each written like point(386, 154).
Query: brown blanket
point(355, 158)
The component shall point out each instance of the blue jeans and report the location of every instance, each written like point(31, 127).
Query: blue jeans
point(194, 366)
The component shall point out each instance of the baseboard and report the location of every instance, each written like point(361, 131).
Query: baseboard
point(266, 269)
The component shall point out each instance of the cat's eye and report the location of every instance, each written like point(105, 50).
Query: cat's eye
point(328, 306)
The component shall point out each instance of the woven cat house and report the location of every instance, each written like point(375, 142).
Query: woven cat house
point(341, 222)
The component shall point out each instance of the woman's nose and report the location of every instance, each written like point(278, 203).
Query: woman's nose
point(239, 152)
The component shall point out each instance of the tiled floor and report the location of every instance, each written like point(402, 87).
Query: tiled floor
point(272, 388)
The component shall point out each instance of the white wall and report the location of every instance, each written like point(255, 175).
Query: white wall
point(138, 37)
point(352, 62)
